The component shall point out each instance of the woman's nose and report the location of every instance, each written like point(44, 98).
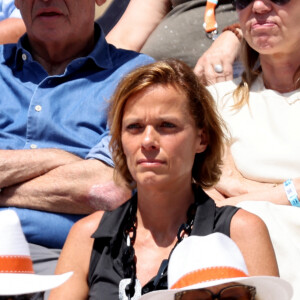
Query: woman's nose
point(261, 6)
point(150, 139)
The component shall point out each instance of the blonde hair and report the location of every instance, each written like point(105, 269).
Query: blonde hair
point(252, 70)
point(206, 169)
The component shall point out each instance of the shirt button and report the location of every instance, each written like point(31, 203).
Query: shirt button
point(33, 146)
point(24, 56)
point(38, 108)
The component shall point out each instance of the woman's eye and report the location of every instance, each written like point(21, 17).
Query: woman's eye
point(168, 125)
point(134, 126)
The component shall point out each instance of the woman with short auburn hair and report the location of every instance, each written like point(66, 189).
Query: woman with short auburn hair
point(167, 144)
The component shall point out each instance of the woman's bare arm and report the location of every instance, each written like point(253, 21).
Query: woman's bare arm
point(252, 237)
point(140, 18)
point(75, 257)
point(235, 188)
point(11, 30)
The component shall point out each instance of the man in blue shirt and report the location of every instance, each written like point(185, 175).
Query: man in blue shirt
point(55, 85)
point(11, 23)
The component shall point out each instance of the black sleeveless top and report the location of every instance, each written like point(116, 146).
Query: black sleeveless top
point(106, 270)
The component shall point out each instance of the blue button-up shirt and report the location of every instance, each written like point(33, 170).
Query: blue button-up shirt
point(8, 10)
point(67, 111)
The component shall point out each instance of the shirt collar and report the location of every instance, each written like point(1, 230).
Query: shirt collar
point(100, 55)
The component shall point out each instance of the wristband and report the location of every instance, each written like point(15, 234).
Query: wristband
point(291, 193)
point(235, 29)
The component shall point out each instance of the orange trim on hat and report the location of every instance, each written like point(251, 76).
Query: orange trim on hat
point(15, 264)
point(209, 274)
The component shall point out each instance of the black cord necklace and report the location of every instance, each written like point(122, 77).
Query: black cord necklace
point(130, 287)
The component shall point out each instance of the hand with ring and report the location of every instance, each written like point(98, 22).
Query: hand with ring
point(216, 64)
point(218, 68)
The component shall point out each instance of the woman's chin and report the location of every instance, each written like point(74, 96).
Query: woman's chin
point(152, 180)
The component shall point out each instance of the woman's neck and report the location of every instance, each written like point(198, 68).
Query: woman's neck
point(161, 212)
point(279, 72)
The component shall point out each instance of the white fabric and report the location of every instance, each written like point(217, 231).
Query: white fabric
point(265, 139)
point(265, 145)
point(283, 223)
point(10, 226)
point(201, 253)
point(13, 244)
point(8, 10)
point(197, 254)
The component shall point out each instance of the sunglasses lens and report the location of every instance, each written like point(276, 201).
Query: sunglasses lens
point(236, 292)
point(194, 295)
point(239, 292)
point(280, 2)
point(241, 4)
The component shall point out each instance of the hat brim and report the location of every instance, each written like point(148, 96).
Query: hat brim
point(18, 284)
point(267, 288)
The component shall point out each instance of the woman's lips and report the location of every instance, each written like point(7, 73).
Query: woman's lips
point(150, 162)
point(263, 24)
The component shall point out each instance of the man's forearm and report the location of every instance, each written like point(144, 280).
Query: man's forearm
point(17, 166)
point(78, 188)
point(11, 30)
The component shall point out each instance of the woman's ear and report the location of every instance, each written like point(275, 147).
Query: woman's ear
point(202, 141)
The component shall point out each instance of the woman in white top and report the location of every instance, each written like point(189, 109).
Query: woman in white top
point(262, 108)
point(262, 112)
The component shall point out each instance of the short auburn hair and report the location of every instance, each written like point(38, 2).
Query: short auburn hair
point(206, 170)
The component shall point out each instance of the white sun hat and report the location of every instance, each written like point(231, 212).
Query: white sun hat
point(204, 261)
point(16, 269)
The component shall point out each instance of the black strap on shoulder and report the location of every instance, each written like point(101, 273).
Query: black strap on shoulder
point(205, 214)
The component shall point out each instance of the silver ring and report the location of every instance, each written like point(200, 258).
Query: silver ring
point(218, 68)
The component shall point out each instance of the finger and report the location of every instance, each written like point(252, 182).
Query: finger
point(199, 71)
point(203, 73)
point(214, 73)
point(228, 72)
point(220, 78)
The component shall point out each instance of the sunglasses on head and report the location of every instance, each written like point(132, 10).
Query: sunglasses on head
point(241, 4)
point(234, 292)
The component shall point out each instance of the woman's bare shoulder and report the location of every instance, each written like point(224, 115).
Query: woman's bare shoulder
point(244, 221)
point(87, 225)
